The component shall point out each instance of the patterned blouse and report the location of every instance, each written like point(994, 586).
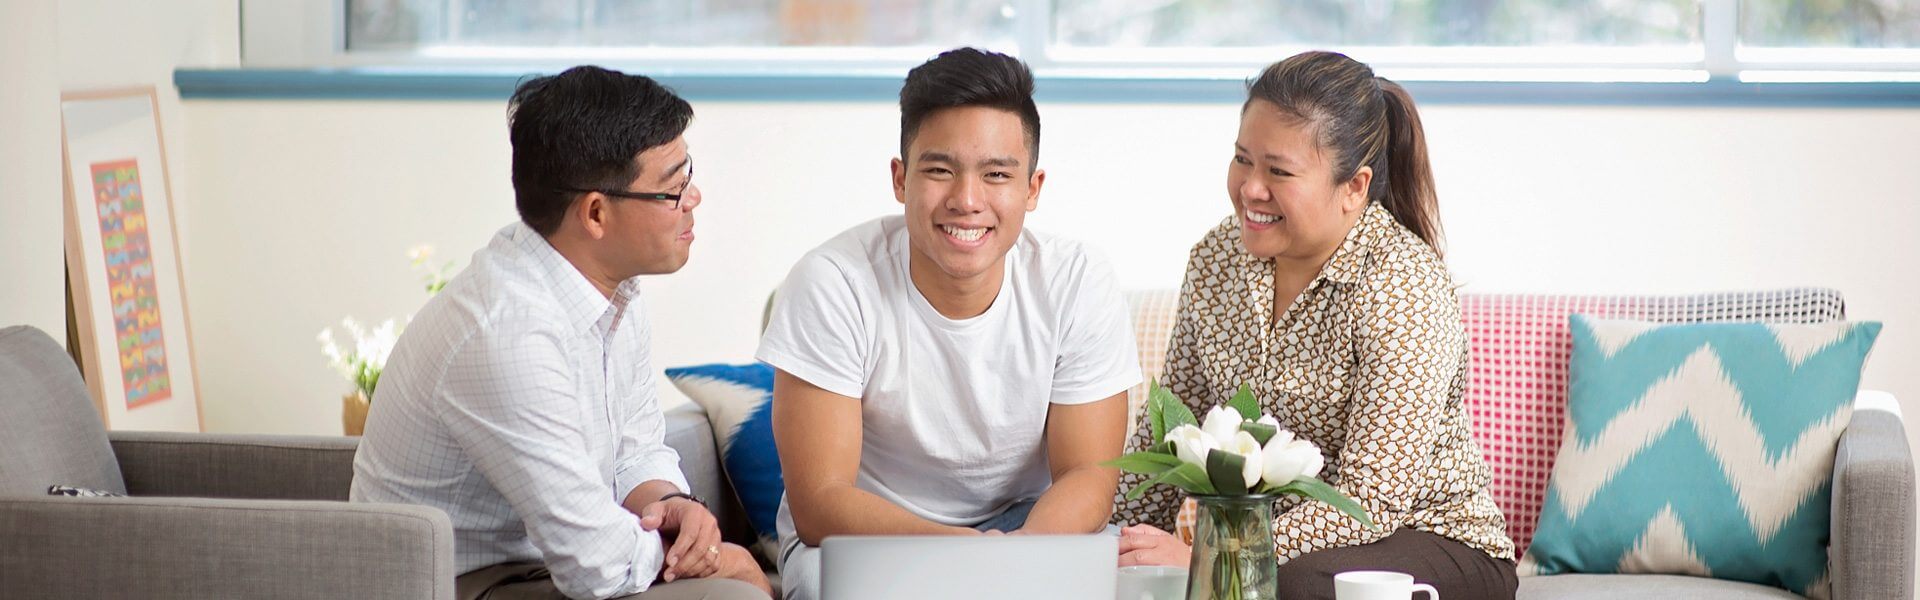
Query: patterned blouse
point(1369, 363)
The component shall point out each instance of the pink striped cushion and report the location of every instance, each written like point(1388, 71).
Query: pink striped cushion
point(1517, 372)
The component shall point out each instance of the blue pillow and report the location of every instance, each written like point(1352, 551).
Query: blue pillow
point(1701, 449)
point(739, 403)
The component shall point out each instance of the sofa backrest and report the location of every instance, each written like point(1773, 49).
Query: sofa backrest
point(50, 432)
point(1518, 346)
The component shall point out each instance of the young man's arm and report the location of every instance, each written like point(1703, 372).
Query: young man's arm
point(818, 434)
point(1079, 438)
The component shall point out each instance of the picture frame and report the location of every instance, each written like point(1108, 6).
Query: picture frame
point(135, 343)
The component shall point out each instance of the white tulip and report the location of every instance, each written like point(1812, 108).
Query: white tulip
point(1249, 449)
point(1222, 423)
point(1192, 445)
point(1288, 459)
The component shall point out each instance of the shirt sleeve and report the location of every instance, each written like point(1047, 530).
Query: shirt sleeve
point(816, 331)
point(1411, 346)
point(1098, 354)
point(644, 453)
point(511, 405)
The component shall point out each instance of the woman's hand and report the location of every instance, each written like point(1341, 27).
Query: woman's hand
point(1148, 545)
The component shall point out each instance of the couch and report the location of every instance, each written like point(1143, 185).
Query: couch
point(205, 515)
point(1516, 392)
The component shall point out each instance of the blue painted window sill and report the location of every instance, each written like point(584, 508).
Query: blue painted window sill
point(497, 85)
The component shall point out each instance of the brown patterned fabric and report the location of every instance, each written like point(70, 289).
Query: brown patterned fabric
point(1368, 363)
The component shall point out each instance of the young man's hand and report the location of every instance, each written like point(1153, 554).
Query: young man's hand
point(695, 533)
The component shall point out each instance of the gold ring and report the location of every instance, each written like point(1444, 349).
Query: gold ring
point(713, 549)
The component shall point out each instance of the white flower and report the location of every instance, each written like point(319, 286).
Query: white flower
point(1269, 420)
point(1192, 445)
point(1248, 449)
point(1221, 423)
point(1286, 459)
point(420, 254)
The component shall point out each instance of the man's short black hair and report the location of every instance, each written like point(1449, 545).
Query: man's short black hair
point(582, 129)
point(969, 77)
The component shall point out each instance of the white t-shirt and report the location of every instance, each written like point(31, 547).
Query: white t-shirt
point(953, 412)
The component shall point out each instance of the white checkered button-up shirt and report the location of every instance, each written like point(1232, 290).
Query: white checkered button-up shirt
point(521, 401)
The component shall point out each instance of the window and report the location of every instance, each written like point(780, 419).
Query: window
point(1527, 40)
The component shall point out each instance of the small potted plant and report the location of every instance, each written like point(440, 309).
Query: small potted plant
point(1234, 465)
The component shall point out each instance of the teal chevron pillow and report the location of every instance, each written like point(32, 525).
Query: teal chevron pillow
point(1700, 449)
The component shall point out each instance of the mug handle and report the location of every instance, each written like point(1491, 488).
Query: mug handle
point(1432, 594)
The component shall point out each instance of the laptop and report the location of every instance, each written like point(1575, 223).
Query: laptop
point(1017, 567)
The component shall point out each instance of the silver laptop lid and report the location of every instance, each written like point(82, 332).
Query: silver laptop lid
point(1017, 567)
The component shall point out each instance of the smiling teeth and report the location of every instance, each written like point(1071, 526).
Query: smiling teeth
point(965, 235)
point(1261, 217)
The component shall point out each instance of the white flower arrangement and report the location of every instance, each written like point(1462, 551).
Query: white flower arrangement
point(362, 362)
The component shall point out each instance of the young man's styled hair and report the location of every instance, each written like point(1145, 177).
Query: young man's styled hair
point(581, 130)
point(969, 77)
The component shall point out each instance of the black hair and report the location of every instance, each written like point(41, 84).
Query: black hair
point(970, 77)
point(583, 129)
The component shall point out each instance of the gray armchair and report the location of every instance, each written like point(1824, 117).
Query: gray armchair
point(208, 516)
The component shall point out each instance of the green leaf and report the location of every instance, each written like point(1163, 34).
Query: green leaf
point(1145, 463)
point(1186, 477)
point(1261, 431)
point(1156, 410)
point(1319, 490)
point(1224, 470)
point(1244, 402)
point(1189, 477)
point(1174, 413)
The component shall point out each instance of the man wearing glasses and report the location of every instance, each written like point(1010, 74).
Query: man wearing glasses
point(520, 400)
point(947, 371)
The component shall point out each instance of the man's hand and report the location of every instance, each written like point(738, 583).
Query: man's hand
point(1148, 545)
point(695, 533)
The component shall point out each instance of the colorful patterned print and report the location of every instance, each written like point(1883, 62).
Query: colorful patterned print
point(130, 288)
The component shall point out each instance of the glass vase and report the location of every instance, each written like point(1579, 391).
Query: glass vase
point(1233, 556)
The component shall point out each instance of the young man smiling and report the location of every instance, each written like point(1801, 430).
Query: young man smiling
point(945, 370)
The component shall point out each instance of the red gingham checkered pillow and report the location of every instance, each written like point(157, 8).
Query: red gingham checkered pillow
point(1517, 372)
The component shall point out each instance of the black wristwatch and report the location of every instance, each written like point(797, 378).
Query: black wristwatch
point(683, 495)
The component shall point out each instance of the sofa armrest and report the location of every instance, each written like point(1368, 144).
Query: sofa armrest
point(58, 547)
point(278, 467)
point(1872, 550)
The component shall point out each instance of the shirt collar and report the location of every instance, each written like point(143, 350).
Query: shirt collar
point(586, 308)
point(1347, 264)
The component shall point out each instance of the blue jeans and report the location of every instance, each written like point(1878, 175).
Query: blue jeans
point(1010, 520)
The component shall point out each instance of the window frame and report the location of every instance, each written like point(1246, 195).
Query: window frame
point(311, 34)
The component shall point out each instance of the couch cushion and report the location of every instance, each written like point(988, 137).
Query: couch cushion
point(1518, 347)
point(50, 432)
point(691, 437)
point(1598, 587)
point(738, 400)
point(1700, 449)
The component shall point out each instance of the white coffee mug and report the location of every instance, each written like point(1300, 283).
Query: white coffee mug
point(1378, 585)
point(1144, 582)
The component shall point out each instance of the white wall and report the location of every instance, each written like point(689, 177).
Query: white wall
point(304, 211)
point(32, 288)
point(108, 44)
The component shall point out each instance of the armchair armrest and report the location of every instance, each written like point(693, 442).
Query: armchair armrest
point(217, 548)
point(1872, 550)
point(209, 465)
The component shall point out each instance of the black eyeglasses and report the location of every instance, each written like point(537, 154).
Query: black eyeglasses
point(663, 197)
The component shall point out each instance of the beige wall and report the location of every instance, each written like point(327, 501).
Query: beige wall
point(31, 255)
point(304, 209)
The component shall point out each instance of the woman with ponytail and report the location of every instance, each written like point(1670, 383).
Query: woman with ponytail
point(1325, 292)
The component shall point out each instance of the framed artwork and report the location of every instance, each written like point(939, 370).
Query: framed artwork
point(123, 263)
